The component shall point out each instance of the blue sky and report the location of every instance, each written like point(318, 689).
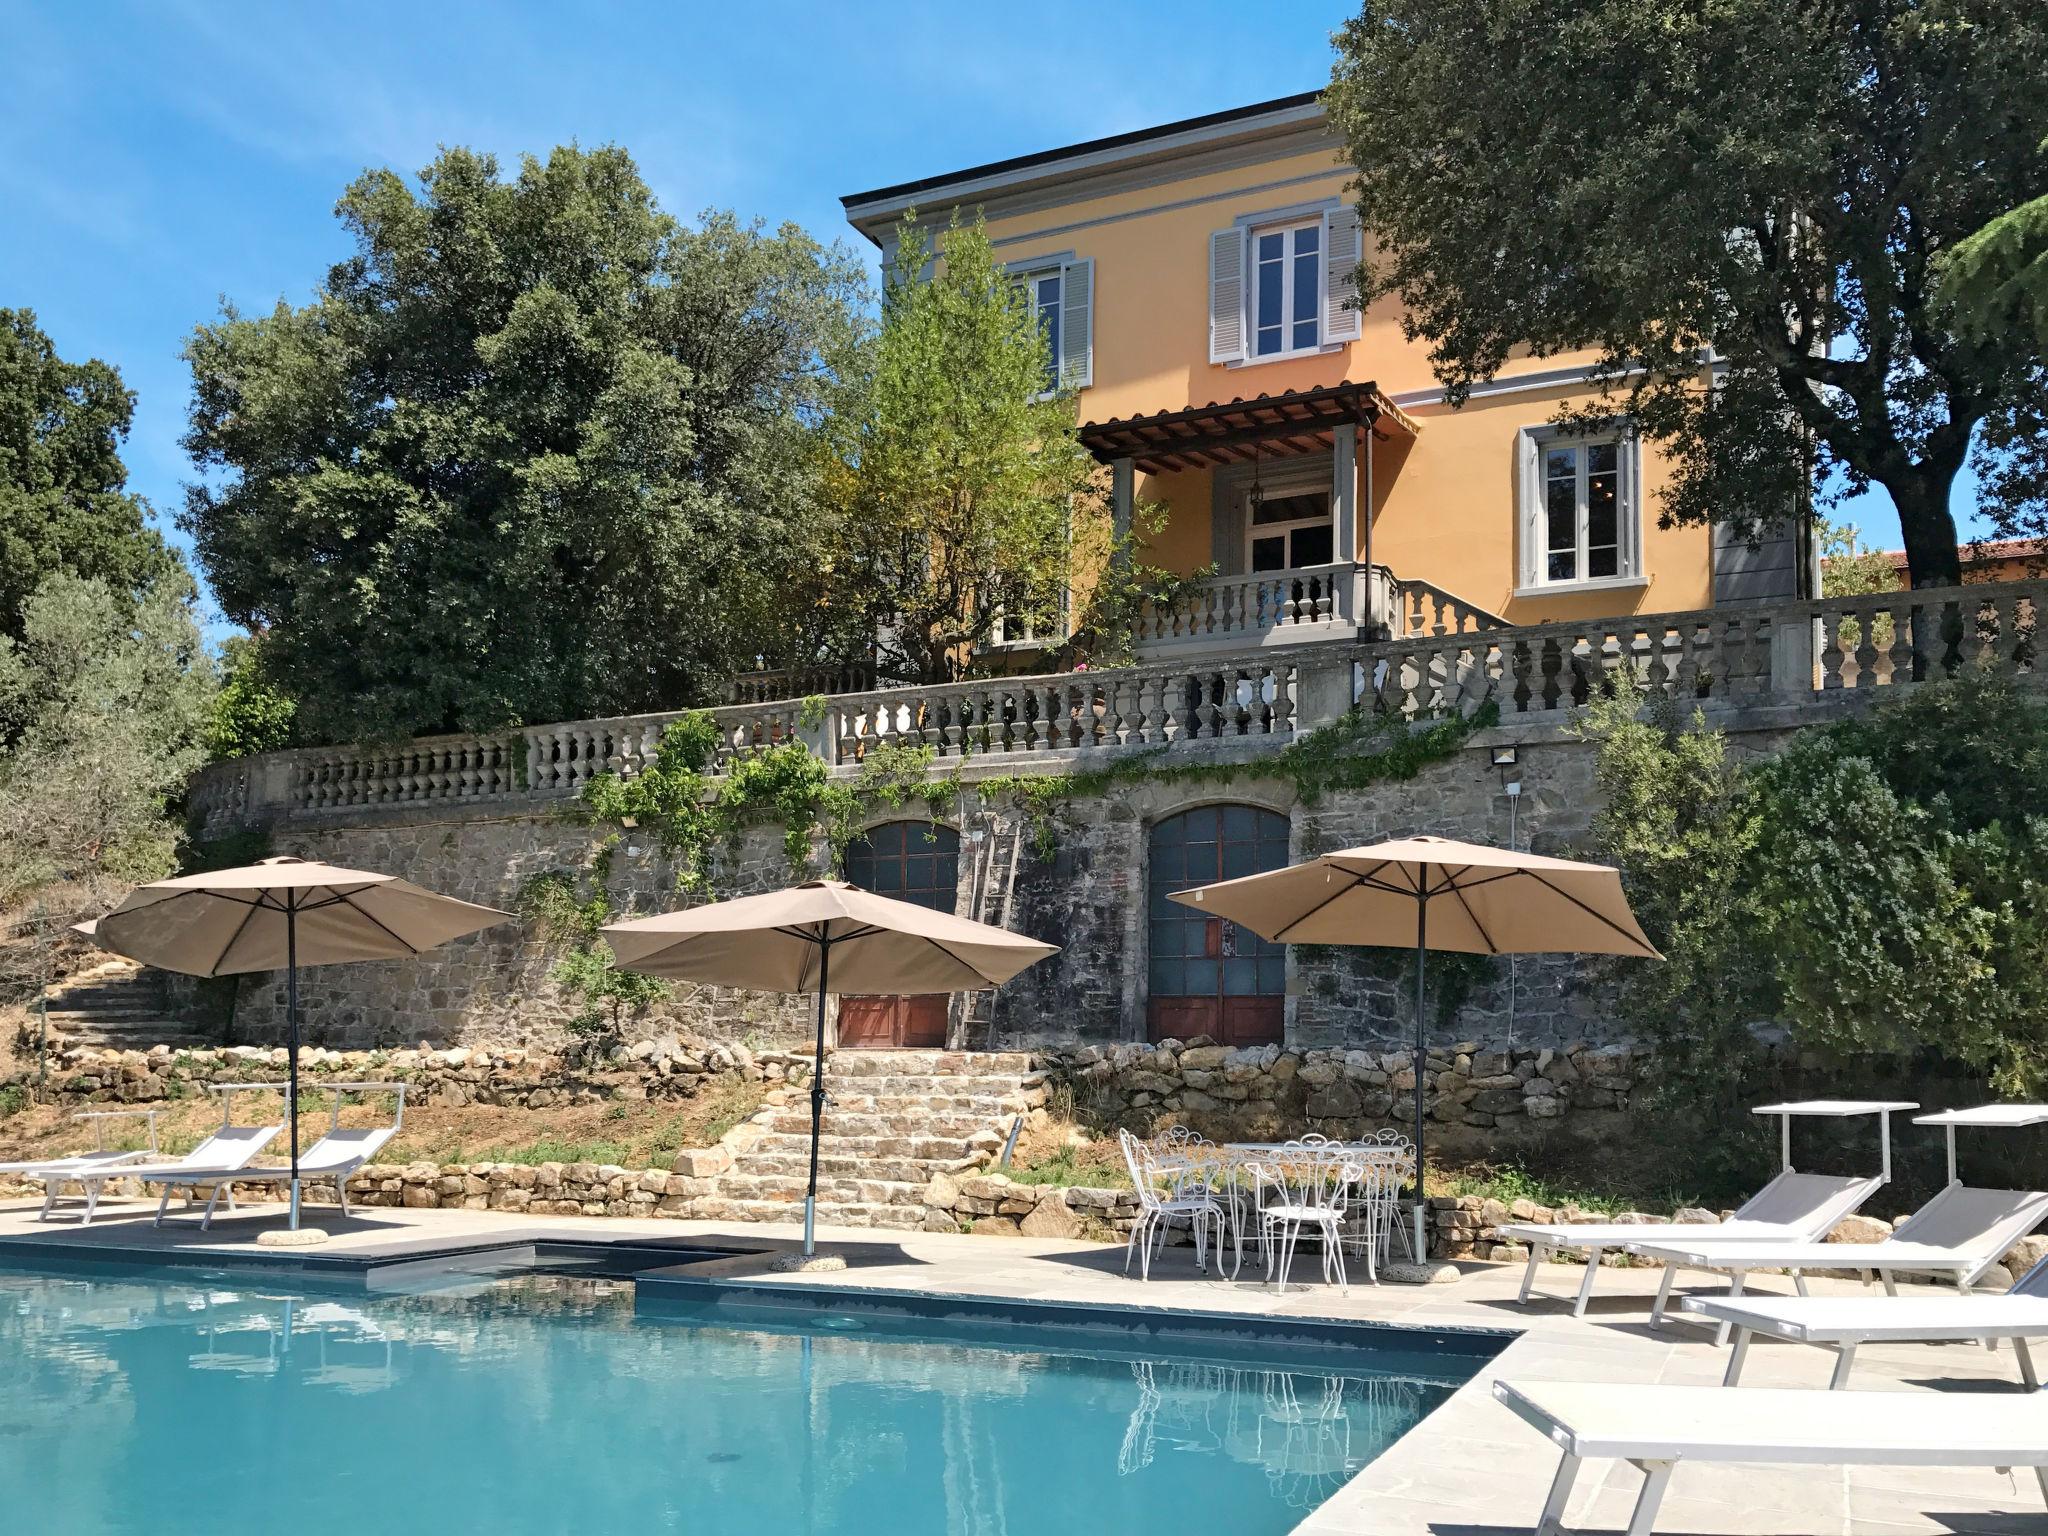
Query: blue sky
point(157, 158)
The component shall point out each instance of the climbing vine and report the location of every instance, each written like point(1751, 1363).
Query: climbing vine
point(694, 813)
point(561, 912)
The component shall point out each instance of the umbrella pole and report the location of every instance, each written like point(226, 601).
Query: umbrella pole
point(1421, 1060)
point(817, 1103)
point(291, 1009)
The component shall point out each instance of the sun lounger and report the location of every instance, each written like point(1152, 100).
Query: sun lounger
point(1656, 1427)
point(1843, 1323)
point(1793, 1208)
point(53, 1172)
point(333, 1158)
point(226, 1151)
point(1958, 1235)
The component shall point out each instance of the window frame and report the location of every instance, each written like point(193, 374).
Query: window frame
point(1290, 485)
point(1532, 512)
point(1289, 228)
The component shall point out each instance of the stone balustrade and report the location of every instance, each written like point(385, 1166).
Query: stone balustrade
point(1260, 608)
point(1793, 653)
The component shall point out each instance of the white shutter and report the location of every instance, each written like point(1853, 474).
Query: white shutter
point(1340, 274)
point(1077, 324)
point(1226, 296)
point(1529, 505)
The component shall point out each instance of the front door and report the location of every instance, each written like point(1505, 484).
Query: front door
point(914, 861)
point(1205, 975)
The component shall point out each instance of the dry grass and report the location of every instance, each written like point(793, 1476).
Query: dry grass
point(633, 1134)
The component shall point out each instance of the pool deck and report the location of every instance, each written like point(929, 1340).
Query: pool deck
point(1470, 1469)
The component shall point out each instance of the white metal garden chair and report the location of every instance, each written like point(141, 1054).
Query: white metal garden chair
point(1186, 1200)
point(1304, 1188)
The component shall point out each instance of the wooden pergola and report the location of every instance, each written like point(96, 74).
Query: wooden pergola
point(1235, 431)
point(1330, 420)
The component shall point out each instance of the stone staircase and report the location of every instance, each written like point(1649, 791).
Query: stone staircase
point(120, 1006)
point(894, 1119)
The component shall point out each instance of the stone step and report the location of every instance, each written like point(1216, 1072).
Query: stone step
point(776, 1187)
point(994, 1106)
point(837, 1124)
point(934, 1149)
point(838, 1213)
point(797, 1165)
point(914, 1086)
point(928, 1063)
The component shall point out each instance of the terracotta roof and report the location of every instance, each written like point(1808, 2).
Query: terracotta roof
point(1235, 431)
point(1989, 552)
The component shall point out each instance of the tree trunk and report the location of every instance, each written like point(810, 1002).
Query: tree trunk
point(1932, 558)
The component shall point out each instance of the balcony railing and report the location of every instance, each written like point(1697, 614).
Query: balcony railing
point(1292, 607)
point(1793, 653)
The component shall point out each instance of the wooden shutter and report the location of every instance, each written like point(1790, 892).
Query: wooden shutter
point(1226, 295)
point(1340, 274)
point(1077, 324)
point(1529, 511)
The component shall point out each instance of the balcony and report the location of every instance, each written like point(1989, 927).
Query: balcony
point(1232, 614)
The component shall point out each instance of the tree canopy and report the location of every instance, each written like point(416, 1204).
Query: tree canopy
point(955, 483)
point(535, 451)
point(1771, 186)
point(103, 702)
point(64, 505)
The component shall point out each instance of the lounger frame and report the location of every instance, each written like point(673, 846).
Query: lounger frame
point(1655, 1455)
point(1595, 1239)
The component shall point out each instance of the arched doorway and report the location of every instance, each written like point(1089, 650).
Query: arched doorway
point(1206, 976)
point(915, 861)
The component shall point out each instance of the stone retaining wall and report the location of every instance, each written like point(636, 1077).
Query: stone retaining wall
point(1475, 1092)
point(667, 1067)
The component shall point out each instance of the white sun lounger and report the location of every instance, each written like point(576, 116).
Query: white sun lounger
point(225, 1151)
point(54, 1172)
point(334, 1157)
point(1842, 1323)
point(1793, 1208)
point(1656, 1427)
point(1958, 1235)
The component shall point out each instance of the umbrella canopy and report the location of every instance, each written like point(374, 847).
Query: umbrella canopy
point(822, 937)
point(1482, 901)
point(280, 914)
point(247, 919)
point(779, 942)
point(1434, 893)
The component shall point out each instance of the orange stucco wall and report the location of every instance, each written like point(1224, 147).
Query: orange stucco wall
point(1445, 502)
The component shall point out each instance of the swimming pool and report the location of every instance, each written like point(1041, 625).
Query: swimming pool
point(181, 1402)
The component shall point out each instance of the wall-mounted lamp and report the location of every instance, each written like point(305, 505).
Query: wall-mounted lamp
point(1505, 759)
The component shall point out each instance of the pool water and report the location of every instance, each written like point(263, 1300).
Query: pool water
point(217, 1403)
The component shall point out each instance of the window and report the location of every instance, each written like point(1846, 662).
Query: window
point(1043, 289)
point(1580, 518)
point(1287, 289)
point(1289, 530)
point(1061, 293)
point(1283, 283)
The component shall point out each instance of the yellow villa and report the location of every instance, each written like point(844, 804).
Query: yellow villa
point(1196, 282)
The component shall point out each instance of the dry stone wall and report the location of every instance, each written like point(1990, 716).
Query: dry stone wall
point(1077, 877)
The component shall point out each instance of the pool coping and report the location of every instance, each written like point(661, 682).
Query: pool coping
point(1165, 1325)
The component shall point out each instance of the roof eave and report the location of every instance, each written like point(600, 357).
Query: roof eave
point(874, 211)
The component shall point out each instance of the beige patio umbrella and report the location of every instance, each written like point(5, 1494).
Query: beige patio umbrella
point(282, 913)
point(1434, 893)
point(821, 937)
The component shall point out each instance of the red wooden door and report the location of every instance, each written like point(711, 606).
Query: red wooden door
point(878, 1022)
point(1206, 976)
point(913, 861)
